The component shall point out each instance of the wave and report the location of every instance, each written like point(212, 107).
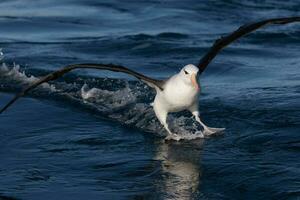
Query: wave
point(162, 35)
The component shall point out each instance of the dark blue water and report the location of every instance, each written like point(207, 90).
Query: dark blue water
point(55, 144)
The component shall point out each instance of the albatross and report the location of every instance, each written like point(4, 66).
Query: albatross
point(177, 93)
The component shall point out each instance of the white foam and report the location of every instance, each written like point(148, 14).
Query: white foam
point(111, 99)
point(186, 136)
point(1, 54)
point(15, 74)
point(87, 94)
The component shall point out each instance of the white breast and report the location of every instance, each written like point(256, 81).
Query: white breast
point(176, 95)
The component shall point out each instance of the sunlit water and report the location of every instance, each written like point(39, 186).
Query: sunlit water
point(94, 135)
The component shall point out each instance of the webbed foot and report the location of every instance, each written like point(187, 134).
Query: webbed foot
point(211, 131)
point(173, 137)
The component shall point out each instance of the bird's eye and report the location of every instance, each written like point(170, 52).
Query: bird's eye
point(185, 72)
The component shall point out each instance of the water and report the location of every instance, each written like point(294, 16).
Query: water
point(93, 134)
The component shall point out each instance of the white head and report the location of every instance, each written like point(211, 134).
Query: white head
point(189, 75)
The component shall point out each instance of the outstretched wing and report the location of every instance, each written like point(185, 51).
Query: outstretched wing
point(241, 31)
point(54, 75)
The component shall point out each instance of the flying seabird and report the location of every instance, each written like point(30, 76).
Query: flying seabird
point(177, 93)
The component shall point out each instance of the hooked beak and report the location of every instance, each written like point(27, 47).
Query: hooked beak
point(194, 81)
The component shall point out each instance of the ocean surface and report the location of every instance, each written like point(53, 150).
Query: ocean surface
point(93, 134)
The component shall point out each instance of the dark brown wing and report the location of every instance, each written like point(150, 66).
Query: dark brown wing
point(243, 30)
point(54, 75)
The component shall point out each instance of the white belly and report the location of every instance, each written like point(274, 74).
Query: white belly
point(176, 97)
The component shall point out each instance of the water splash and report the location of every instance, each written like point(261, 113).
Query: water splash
point(113, 99)
point(15, 74)
point(1, 54)
point(128, 105)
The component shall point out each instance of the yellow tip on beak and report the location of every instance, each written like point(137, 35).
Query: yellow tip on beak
point(194, 81)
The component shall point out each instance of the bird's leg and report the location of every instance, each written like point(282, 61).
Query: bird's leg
point(207, 130)
point(162, 117)
point(170, 135)
point(167, 128)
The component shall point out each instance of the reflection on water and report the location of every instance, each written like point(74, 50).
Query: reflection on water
point(181, 168)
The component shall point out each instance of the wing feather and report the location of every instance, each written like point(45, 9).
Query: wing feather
point(241, 31)
point(59, 73)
